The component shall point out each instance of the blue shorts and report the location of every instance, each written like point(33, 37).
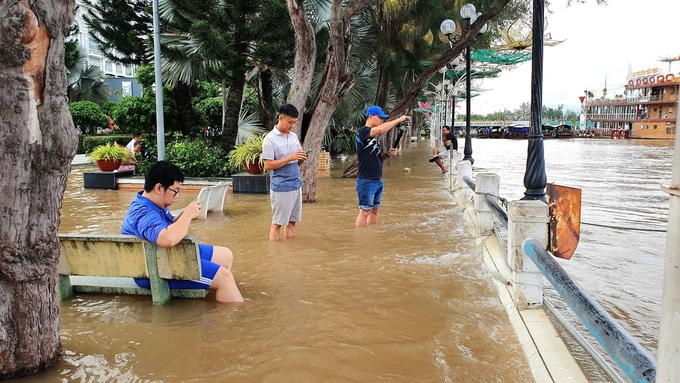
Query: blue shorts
point(370, 192)
point(208, 271)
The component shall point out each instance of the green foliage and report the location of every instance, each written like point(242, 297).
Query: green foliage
point(249, 152)
point(91, 142)
point(122, 29)
point(108, 152)
point(136, 114)
point(88, 117)
point(197, 158)
point(87, 84)
point(109, 108)
point(146, 77)
point(209, 111)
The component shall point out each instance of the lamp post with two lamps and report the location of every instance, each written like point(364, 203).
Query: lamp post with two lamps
point(447, 27)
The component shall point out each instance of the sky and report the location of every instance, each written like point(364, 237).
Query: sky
point(601, 41)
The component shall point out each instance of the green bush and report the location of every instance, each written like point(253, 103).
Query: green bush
point(199, 157)
point(138, 114)
point(88, 117)
point(109, 108)
point(135, 114)
point(209, 111)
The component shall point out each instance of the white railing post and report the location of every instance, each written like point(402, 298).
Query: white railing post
point(485, 183)
point(463, 169)
point(669, 336)
point(526, 219)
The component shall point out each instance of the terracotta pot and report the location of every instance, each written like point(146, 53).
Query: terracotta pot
point(108, 165)
point(255, 168)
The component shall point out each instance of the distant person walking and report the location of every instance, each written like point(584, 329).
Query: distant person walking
point(449, 141)
point(370, 157)
point(282, 155)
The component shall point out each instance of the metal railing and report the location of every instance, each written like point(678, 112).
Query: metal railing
point(635, 361)
point(490, 200)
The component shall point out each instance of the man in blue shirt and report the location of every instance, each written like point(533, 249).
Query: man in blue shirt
point(282, 155)
point(149, 218)
point(369, 179)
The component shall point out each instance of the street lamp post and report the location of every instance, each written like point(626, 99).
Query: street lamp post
point(447, 27)
point(535, 180)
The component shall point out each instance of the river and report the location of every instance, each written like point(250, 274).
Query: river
point(618, 265)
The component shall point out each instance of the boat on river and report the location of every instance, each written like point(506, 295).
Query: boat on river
point(647, 108)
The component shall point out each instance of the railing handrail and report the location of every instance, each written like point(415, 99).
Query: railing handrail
point(635, 361)
point(490, 200)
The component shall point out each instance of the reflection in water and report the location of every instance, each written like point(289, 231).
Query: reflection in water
point(620, 181)
point(406, 300)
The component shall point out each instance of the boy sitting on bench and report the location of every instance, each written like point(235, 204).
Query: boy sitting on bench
point(149, 218)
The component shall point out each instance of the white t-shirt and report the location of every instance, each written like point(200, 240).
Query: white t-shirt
point(131, 145)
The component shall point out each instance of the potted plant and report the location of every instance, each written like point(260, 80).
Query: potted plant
point(248, 155)
point(108, 157)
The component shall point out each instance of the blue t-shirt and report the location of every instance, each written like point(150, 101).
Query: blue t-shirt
point(368, 154)
point(146, 220)
point(276, 146)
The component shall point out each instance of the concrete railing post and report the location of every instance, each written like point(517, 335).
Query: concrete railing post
point(463, 169)
point(485, 183)
point(453, 172)
point(526, 219)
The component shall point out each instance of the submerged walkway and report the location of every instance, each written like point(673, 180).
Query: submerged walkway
point(406, 300)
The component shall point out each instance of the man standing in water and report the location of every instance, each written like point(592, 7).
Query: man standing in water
point(149, 218)
point(283, 154)
point(369, 180)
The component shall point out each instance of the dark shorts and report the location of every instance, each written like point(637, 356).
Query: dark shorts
point(370, 193)
point(208, 271)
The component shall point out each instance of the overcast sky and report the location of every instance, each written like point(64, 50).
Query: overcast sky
point(600, 42)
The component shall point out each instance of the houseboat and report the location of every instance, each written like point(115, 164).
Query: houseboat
point(647, 109)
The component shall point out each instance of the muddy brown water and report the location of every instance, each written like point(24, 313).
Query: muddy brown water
point(406, 300)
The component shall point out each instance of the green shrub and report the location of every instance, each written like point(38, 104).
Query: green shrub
point(209, 111)
point(88, 117)
point(135, 114)
point(197, 158)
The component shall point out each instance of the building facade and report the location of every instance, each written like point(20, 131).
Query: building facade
point(94, 56)
point(648, 108)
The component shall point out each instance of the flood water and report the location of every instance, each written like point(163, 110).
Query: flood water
point(406, 300)
point(620, 264)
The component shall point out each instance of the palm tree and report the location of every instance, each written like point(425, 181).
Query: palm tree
point(85, 83)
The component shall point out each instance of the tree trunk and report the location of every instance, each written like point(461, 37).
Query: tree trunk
point(264, 88)
point(37, 146)
point(231, 114)
point(335, 83)
point(187, 118)
point(305, 60)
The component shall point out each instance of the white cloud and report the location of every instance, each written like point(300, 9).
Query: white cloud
point(601, 41)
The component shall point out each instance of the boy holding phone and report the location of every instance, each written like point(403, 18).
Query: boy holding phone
point(283, 154)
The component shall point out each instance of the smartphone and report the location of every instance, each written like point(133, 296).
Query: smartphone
point(309, 151)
